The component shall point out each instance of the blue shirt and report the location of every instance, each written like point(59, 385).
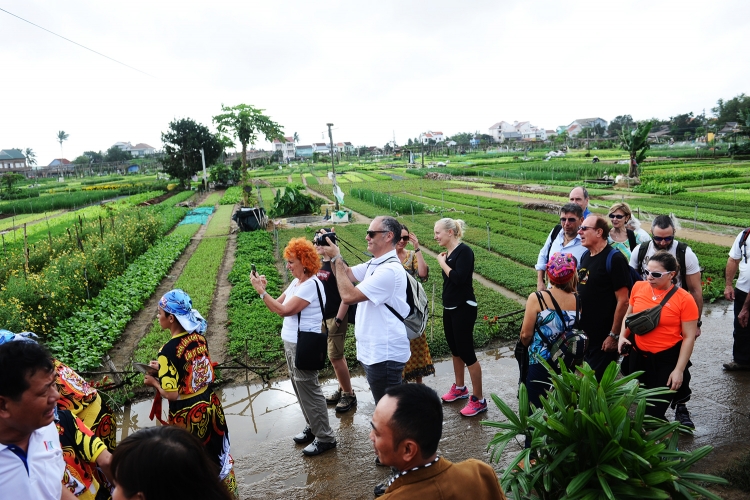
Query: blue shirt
point(574, 246)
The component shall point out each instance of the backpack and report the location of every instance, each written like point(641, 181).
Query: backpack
point(743, 239)
point(631, 239)
point(681, 249)
point(416, 321)
point(570, 346)
point(555, 231)
point(634, 275)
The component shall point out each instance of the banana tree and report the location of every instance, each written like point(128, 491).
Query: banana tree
point(635, 142)
point(592, 439)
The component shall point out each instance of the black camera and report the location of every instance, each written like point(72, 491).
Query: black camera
point(625, 350)
point(320, 239)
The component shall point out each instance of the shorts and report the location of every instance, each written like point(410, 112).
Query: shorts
point(336, 337)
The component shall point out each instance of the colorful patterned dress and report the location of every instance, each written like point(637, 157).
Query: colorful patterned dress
point(80, 449)
point(420, 362)
point(185, 367)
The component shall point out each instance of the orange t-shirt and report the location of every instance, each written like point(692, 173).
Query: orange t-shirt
point(680, 308)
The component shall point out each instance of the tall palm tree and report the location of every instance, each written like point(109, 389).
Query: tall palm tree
point(30, 157)
point(296, 137)
point(61, 136)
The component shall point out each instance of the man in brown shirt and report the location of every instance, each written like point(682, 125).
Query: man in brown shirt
point(406, 428)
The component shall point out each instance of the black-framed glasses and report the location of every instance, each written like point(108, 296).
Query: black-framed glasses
point(404, 238)
point(659, 239)
point(585, 228)
point(616, 216)
point(372, 234)
point(654, 274)
point(563, 220)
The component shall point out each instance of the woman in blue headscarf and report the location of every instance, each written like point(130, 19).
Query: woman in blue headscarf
point(184, 376)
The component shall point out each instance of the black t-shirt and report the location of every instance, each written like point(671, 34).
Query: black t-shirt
point(333, 298)
point(597, 289)
point(458, 286)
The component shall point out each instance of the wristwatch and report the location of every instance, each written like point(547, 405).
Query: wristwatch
point(417, 250)
point(338, 321)
point(616, 337)
point(262, 295)
point(333, 259)
point(700, 323)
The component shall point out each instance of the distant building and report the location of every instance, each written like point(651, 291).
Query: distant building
point(304, 151)
point(323, 148)
point(577, 125)
point(346, 147)
point(138, 151)
point(58, 165)
point(286, 147)
point(425, 137)
point(503, 131)
point(13, 160)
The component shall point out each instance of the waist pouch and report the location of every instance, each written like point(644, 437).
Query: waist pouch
point(645, 321)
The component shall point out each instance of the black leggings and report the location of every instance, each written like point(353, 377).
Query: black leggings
point(458, 324)
point(657, 367)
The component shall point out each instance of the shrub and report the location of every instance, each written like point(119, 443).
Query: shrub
point(587, 446)
point(293, 202)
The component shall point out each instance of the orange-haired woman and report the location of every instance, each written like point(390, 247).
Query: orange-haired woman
point(301, 305)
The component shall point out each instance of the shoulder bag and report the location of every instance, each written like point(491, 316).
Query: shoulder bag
point(570, 346)
point(311, 346)
point(643, 322)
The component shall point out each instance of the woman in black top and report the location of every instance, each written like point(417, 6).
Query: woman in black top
point(459, 313)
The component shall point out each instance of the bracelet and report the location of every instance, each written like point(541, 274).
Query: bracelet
point(417, 250)
point(263, 295)
point(333, 259)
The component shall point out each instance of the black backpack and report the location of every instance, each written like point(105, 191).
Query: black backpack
point(634, 275)
point(681, 249)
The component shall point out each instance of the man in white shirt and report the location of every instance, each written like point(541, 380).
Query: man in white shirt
point(689, 278)
point(382, 344)
point(739, 295)
point(563, 238)
point(31, 459)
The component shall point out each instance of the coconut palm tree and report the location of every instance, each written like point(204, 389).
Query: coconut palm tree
point(30, 157)
point(296, 137)
point(61, 136)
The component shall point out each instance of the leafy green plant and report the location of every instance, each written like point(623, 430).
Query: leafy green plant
point(231, 196)
point(656, 187)
point(585, 445)
point(294, 202)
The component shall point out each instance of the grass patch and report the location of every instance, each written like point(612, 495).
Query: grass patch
point(220, 222)
point(211, 200)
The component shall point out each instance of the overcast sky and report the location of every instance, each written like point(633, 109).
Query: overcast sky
point(371, 68)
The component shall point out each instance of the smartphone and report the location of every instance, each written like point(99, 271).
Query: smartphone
point(252, 270)
point(144, 368)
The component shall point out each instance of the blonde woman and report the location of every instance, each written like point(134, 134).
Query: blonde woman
point(620, 237)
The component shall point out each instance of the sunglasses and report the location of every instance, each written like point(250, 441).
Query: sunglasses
point(616, 216)
point(372, 234)
point(654, 274)
point(563, 220)
point(659, 239)
point(585, 228)
point(404, 238)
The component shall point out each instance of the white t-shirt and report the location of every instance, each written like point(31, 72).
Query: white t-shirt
point(381, 336)
point(311, 316)
point(743, 280)
point(44, 458)
point(691, 261)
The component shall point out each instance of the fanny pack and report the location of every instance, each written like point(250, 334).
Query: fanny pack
point(645, 321)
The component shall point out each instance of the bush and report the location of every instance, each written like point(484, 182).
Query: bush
point(587, 446)
point(664, 188)
point(293, 202)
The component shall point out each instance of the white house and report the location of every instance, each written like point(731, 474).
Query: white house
point(324, 148)
point(139, 150)
point(504, 131)
point(497, 129)
point(425, 137)
point(287, 148)
point(346, 147)
point(577, 125)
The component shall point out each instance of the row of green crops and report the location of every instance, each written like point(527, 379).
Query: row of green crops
point(198, 279)
point(211, 200)
point(251, 324)
point(81, 340)
point(231, 196)
point(220, 221)
point(392, 203)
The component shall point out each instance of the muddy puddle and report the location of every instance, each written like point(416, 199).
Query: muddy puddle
point(263, 419)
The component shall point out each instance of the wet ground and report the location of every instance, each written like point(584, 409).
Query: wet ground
point(262, 420)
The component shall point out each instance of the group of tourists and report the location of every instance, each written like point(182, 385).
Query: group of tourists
point(595, 277)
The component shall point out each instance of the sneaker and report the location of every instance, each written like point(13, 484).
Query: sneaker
point(335, 397)
point(474, 407)
point(682, 415)
point(455, 394)
point(734, 367)
point(347, 402)
point(316, 448)
point(304, 437)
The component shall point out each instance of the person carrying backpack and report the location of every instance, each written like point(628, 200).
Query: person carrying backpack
point(563, 238)
point(689, 277)
point(459, 313)
point(548, 323)
point(620, 237)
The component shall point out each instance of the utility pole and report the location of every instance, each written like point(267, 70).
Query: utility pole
point(205, 181)
point(422, 143)
point(333, 169)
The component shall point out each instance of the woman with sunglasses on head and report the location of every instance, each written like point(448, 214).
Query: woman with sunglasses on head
point(620, 237)
point(420, 363)
point(664, 352)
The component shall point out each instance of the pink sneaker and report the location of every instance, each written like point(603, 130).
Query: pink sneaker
point(474, 407)
point(455, 394)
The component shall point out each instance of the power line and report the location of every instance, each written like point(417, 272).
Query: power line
point(76, 43)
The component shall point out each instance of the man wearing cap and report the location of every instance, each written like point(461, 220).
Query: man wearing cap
point(663, 232)
point(563, 238)
point(603, 293)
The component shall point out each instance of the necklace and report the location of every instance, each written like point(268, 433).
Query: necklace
point(654, 297)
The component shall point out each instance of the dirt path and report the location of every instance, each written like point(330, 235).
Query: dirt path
point(218, 334)
point(489, 284)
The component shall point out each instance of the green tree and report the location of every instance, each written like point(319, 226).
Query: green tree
point(114, 154)
point(618, 123)
point(223, 175)
point(244, 122)
point(635, 142)
point(182, 148)
point(95, 157)
point(8, 179)
point(82, 160)
point(30, 157)
point(729, 111)
point(61, 137)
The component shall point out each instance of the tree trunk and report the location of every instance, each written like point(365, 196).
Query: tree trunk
point(633, 171)
point(244, 155)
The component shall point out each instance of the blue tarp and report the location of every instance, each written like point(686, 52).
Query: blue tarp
point(198, 215)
